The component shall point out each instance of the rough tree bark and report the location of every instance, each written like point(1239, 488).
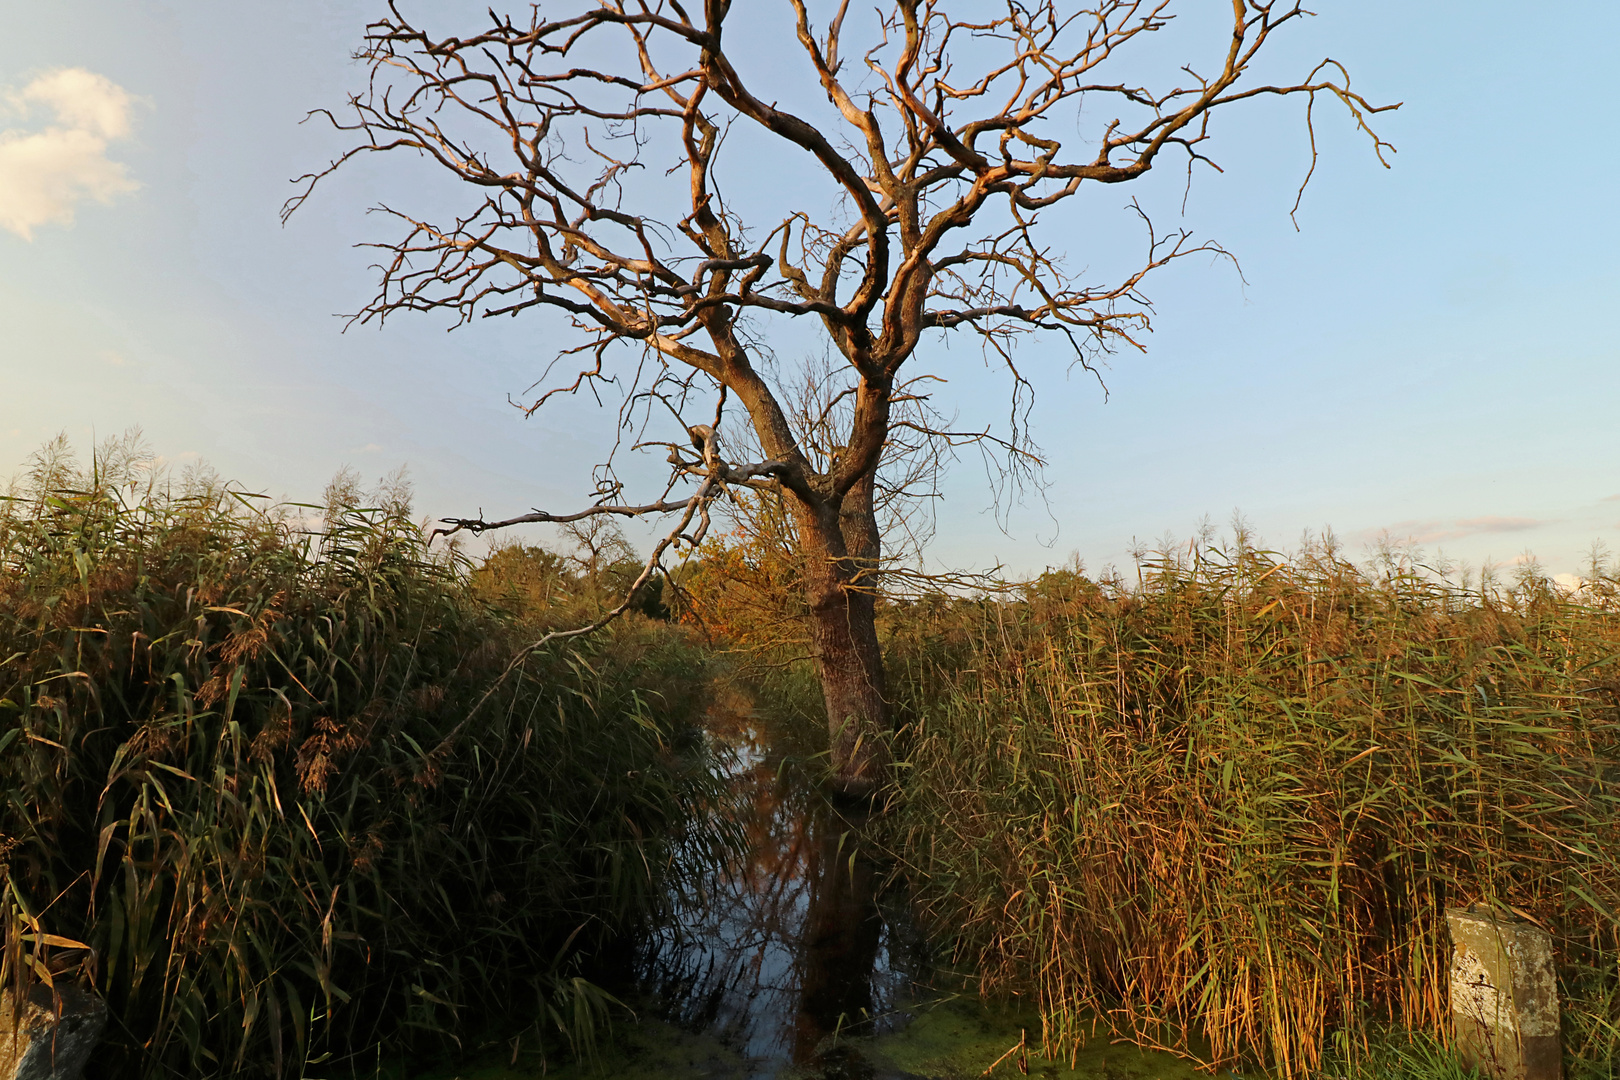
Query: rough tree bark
point(842, 551)
point(587, 137)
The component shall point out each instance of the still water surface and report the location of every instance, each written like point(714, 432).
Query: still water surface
point(795, 945)
point(792, 961)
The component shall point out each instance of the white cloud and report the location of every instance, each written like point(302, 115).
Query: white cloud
point(44, 174)
point(82, 100)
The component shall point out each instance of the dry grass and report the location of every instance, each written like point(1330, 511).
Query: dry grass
point(1226, 808)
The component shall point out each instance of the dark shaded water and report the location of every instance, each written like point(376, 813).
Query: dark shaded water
point(796, 942)
point(791, 961)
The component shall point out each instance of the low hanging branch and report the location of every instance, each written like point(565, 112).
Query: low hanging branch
point(716, 474)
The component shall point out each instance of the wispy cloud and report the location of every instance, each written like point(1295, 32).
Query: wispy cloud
point(46, 173)
point(1437, 532)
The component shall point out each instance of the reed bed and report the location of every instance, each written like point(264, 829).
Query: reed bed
point(1224, 808)
point(246, 800)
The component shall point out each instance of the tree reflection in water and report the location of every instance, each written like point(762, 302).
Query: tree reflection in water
point(792, 943)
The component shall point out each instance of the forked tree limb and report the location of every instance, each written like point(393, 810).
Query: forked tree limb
point(922, 157)
point(945, 134)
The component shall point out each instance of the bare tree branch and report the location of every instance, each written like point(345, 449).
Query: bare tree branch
point(588, 140)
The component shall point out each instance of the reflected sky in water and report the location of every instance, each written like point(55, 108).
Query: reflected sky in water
point(791, 942)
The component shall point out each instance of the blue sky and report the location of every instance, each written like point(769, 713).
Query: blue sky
point(1430, 354)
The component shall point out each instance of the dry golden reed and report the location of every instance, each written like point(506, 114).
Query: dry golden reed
point(1224, 808)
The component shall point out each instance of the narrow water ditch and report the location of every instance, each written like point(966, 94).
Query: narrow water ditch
point(794, 962)
point(795, 949)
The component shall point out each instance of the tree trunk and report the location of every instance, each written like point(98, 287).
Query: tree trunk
point(840, 559)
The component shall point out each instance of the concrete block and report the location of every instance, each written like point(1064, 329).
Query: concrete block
point(36, 1044)
point(1504, 996)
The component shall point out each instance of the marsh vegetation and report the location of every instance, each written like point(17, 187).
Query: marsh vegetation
point(275, 789)
point(1225, 803)
point(268, 793)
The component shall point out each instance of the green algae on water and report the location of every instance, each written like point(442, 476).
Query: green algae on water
point(956, 1039)
point(959, 1038)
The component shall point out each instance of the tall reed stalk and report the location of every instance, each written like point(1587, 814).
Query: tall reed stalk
point(1226, 808)
point(245, 799)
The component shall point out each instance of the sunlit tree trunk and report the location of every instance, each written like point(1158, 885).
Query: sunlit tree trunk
point(841, 548)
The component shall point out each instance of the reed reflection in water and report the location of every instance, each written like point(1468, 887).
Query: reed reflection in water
point(792, 943)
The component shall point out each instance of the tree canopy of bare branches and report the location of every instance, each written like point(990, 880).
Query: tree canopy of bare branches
point(675, 178)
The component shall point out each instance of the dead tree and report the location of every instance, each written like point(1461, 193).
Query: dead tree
point(591, 142)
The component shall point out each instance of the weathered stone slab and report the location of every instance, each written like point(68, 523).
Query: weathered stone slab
point(36, 1044)
point(1504, 996)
